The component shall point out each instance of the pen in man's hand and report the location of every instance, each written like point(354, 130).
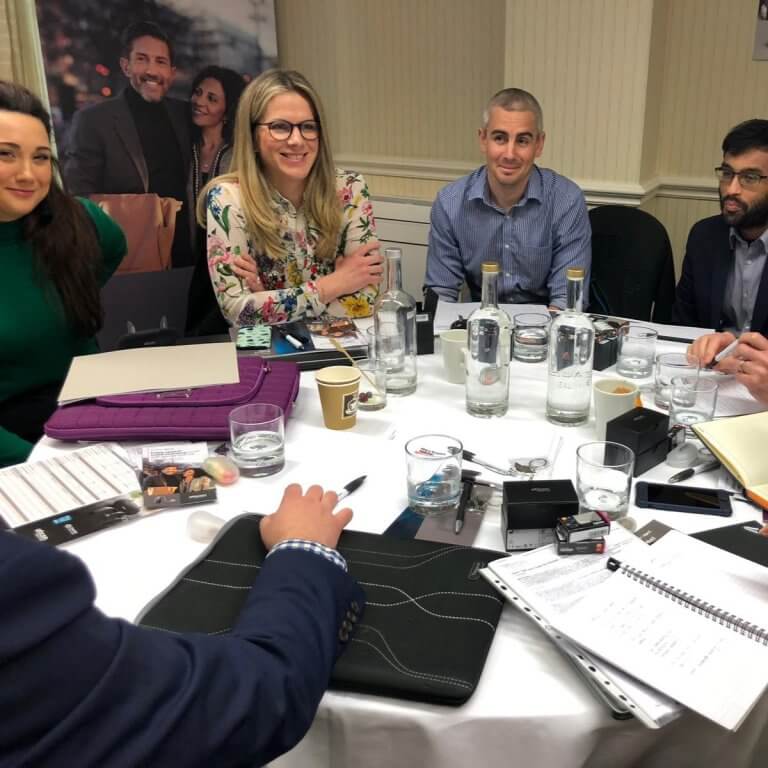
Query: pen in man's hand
point(723, 353)
point(466, 492)
point(707, 466)
point(351, 487)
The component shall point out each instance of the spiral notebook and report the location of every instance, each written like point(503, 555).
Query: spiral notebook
point(544, 585)
point(687, 619)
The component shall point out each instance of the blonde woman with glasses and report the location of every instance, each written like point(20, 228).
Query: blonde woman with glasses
point(288, 234)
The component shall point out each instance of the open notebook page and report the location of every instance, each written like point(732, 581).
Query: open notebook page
point(548, 584)
point(706, 665)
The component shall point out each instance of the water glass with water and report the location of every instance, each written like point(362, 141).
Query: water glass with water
point(669, 366)
point(258, 438)
point(637, 351)
point(530, 337)
point(692, 399)
point(434, 473)
point(603, 478)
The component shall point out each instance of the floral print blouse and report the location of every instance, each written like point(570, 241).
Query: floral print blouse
point(290, 291)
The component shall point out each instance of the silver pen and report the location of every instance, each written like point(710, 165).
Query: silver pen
point(707, 466)
point(350, 487)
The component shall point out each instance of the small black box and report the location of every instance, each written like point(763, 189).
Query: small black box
point(587, 525)
point(425, 332)
point(530, 510)
point(645, 432)
point(584, 547)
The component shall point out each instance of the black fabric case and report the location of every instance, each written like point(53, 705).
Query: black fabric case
point(426, 629)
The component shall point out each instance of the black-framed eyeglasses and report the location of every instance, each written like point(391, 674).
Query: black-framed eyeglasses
point(746, 178)
point(281, 130)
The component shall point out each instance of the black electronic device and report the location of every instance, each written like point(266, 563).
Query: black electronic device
point(645, 432)
point(530, 510)
point(425, 324)
point(683, 498)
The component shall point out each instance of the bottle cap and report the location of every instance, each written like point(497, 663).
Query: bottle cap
point(575, 273)
point(393, 253)
point(490, 266)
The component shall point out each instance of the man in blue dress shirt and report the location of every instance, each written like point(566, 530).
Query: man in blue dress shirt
point(80, 689)
point(531, 220)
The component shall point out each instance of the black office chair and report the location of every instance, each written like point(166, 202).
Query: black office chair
point(153, 304)
point(633, 273)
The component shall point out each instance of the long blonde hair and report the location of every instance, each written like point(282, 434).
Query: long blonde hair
point(321, 202)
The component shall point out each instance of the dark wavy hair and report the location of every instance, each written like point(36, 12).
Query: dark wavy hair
point(144, 29)
point(233, 85)
point(63, 237)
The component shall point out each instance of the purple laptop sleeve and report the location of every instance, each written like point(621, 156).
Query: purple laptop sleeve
point(196, 414)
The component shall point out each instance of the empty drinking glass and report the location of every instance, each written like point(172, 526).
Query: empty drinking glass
point(603, 478)
point(637, 350)
point(373, 380)
point(672, 365)
point(692, 399)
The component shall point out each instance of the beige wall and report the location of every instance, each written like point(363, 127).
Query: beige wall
point(637, 94)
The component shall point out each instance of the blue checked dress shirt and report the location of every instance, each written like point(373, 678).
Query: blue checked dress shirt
point(543, 234)
point(311, 546)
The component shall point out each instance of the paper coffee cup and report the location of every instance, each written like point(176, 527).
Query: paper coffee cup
point(612, 398)
point(338, 387)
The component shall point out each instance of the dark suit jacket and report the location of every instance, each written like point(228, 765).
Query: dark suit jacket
point(700, 292)
point(104, 154)
point(80, 689)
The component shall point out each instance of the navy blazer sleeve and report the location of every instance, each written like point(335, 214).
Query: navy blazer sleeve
point(78, 688)
point(684, 310)
point(708, 259)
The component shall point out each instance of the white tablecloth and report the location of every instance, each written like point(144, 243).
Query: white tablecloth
point(530, 708)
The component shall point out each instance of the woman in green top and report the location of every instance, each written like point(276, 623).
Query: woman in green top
point(55, 253)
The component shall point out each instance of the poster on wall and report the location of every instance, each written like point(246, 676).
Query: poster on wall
point(761, 31)
point(143, 95)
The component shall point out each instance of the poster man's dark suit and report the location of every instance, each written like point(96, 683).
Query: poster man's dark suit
point(707, 263)
point(104, 153)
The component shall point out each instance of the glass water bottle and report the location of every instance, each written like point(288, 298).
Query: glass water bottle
point(571, 347)
point(487, 361)
point(394, 318)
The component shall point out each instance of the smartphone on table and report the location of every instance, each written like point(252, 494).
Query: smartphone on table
point(683, 498)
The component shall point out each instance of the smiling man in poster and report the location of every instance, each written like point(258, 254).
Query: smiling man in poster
point(137, 142)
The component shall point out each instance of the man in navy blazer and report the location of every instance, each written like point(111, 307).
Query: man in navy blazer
point(724, 284)
point(80, 689)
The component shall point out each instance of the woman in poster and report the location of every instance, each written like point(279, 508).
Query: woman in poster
point(213, 100)
point(307, 226)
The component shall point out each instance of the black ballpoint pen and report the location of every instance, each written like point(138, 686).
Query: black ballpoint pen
point(466, 492)
point(684, 474)
point(350, 487)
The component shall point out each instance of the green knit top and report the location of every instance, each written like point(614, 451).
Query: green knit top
point(37, 343)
